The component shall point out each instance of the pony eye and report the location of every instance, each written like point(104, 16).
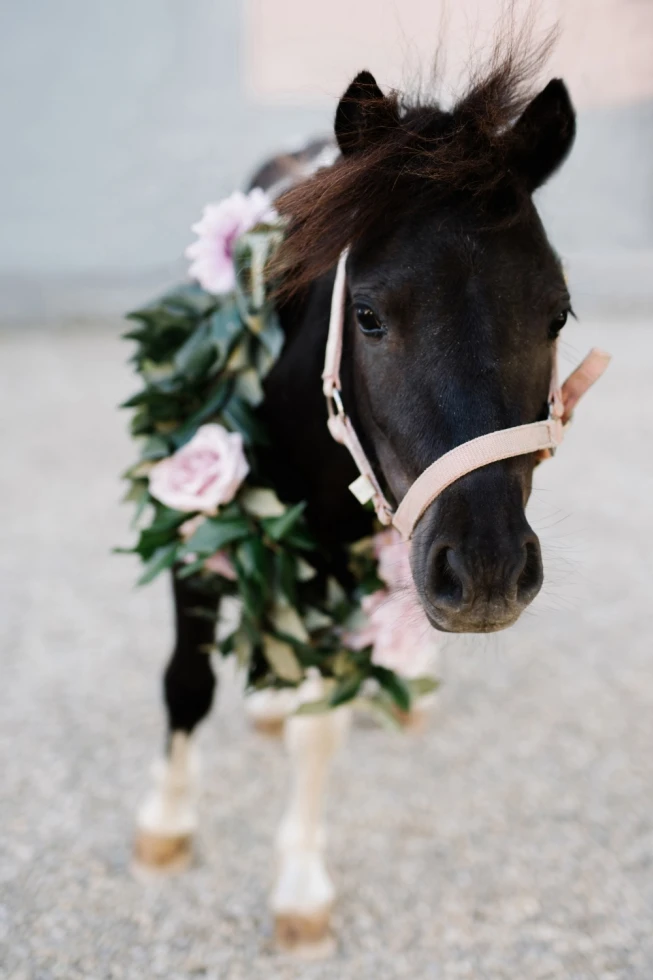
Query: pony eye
point(558, 323)
point(368, 321)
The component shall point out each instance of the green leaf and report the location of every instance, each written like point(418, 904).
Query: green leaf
point(286, 619)
point(214, 534)
point(239, 416)
point(305, 572)
point(195, 357)
point(346, 689)
point(301, 538)
point(272, 336)
point(190, 297)
point(162, 531)
point(252, 594)
point(395, 686)
point(140, 495)
point(242, 647)
point(286, 576)
point(315, 619)
point(211, 407)
point(248, 387)
point(279, 527)
point(419, 686)
point(383, 707)
point(224, 329)
point(314, 707)
point(254, 558)
point(155, 448)
point(282, 659)
point(185, 300)
point(188, 569)
point(261, 502)
point(161, 559)
point(166, 518)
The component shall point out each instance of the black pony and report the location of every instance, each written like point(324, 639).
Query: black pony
point(455, 298)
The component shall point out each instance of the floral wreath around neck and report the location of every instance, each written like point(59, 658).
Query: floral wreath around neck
point(206, 508)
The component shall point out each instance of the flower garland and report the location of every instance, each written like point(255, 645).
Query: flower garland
point(213, 515)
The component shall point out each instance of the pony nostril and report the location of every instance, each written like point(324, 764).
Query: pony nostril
point(530, 577)
point(447, 583)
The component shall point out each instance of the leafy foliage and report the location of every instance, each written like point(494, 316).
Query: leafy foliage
point(202, 359)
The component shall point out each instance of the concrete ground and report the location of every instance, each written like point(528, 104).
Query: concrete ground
point(513, 840)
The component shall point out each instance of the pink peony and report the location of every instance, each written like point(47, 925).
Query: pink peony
point(219, 228)
point(204, 473)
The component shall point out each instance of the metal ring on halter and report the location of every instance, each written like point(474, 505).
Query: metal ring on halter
point(335, 399)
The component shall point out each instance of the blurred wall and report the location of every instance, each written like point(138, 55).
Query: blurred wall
point(121, 119)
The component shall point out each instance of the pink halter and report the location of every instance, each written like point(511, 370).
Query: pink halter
point(535, 437)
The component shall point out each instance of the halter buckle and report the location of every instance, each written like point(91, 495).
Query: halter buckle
point(334, 399)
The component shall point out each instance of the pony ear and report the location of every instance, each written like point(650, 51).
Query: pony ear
point(543, 135)
point(362, 112)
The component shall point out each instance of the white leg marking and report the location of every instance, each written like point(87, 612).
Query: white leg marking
point(303, 889)
point(171, 808)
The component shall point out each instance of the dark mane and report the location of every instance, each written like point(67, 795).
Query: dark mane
point(420, 155)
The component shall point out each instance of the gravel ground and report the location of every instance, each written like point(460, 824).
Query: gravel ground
point(513, 840)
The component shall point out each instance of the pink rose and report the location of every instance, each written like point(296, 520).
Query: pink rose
point(188, 528)
point(403, 637)
point(393, 556)
point(398, 631)
point(219, 228)
point(220, 564)
point(204, 473)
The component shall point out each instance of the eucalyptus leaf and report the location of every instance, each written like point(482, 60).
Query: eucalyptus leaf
point(305, 572)
point(261, 502)
point(286, 619)
point(314, 707)
point(243, 648)
point(281, 657)
point(420, 686)
point(315, 619)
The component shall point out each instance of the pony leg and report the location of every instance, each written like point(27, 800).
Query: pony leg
point(167, 819)
point(303, 894)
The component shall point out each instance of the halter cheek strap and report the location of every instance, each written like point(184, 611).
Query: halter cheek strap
point(536, 437)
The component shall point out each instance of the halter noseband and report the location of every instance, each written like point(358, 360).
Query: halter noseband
point(535, 437)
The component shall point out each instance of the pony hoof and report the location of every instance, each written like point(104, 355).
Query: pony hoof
point(162, 854)
point(308, 936)
point(270, 727)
